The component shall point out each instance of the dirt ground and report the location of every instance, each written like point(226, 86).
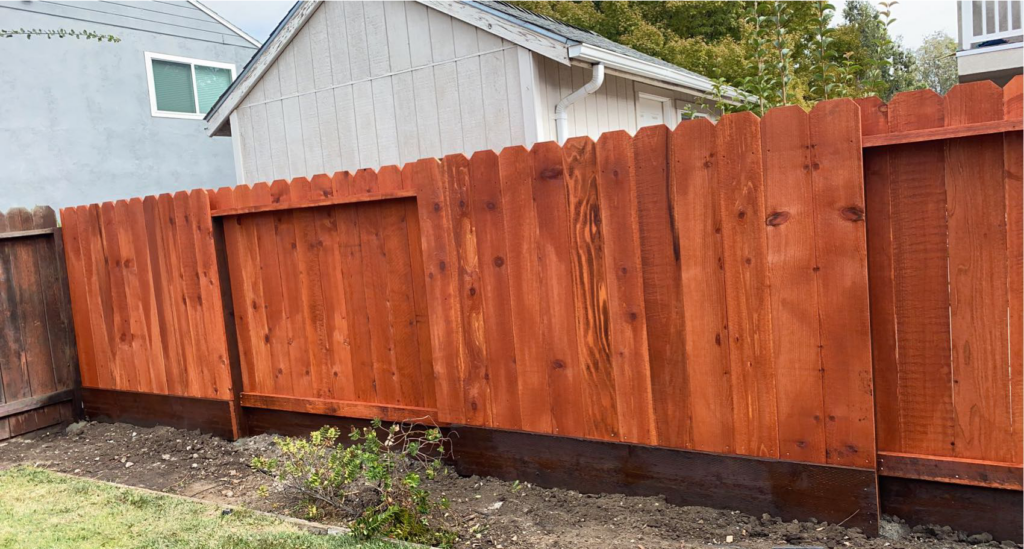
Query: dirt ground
point(489, 513)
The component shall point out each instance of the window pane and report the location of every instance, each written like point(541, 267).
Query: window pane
point(172, 83)
point(210, 83)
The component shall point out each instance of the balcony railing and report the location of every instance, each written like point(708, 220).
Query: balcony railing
point(988, 20)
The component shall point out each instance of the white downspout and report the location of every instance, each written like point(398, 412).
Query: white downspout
point(561, 116)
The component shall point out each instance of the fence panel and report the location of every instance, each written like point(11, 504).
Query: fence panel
point(328, 304)
point(944, 242)
point(640, 276)
point(38, 370)
point(146, 296)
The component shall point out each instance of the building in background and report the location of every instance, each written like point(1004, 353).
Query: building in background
point(990, 45)
point(348, 85)
point(83, 121)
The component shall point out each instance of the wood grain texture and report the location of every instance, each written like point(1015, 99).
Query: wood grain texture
point(627, 318)
point(488, 212)
point(1013, 165)
point(591, 292)
point(439, 258)
point(793, 268)
point(558, 321)
point(878, 216)
point(976, 213)
point(658, 217)
point(842, 280)
point(516, 170)
point(694, 187)
point(476, 374)
point(919, 232)
point(741, 203)
point(38, 367)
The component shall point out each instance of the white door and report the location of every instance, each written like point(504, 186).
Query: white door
point(649, 111)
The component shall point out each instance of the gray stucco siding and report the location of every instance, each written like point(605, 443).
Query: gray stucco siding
point(75, 120)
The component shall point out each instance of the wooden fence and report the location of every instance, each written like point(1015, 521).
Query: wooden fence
point(702, 288)
point(945, 245)
point(38, 367)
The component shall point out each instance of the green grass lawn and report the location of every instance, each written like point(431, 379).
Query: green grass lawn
point(40, 509)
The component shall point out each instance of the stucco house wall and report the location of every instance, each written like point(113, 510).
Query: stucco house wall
point(75, 119)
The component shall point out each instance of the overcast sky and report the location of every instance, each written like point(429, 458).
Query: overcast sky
point(914, 19)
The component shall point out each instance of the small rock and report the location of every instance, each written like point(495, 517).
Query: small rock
point(166, 457)
point(75, 428)
point(977, 539)
point(128, 464)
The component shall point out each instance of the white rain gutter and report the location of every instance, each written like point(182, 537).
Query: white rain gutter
point(619, 62)
point(561, 116)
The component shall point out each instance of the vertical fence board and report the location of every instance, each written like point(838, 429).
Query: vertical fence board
point(401, 301)
point(13, 369)
point(842, 280)
point(792, 264)
point(307, 255)
point(341, 373)
point(516, 171)
point(877, 197)
point(174, 298)
point(558, 320)
point(359, 339)
point(125, 375)
point(741, 200)
point(475, 375)
point(80, 309)
point(220, 379)
point(661, 256)
point(976, 212)
point(273, 291)
point(371, 235)
point(627, 317)
point(137, 334)
point(150, 317)
point(918, 204)
point(488, 212)
point(590, 286)
point(242, 294)
point(1013, 164)
point(53, 285)
point(694, 188)
point(442, 288)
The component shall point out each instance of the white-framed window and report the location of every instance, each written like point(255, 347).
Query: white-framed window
point(690, 111)
point(180, 87)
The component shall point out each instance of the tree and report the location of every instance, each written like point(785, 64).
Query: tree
point(781, 51)
point(935, 62)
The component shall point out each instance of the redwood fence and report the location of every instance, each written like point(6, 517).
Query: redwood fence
point(804, 286)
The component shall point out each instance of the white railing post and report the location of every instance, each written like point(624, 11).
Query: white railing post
point(967, 24)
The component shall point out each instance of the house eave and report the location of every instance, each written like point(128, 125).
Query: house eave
point(631, 65)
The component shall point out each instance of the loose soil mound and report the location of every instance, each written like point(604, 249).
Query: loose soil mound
point(490, 513)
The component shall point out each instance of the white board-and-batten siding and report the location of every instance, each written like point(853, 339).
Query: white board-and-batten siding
point(370, 84)
point(612, 107)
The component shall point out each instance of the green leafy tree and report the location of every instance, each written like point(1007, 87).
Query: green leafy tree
point(935, 62)
point(780, 51)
